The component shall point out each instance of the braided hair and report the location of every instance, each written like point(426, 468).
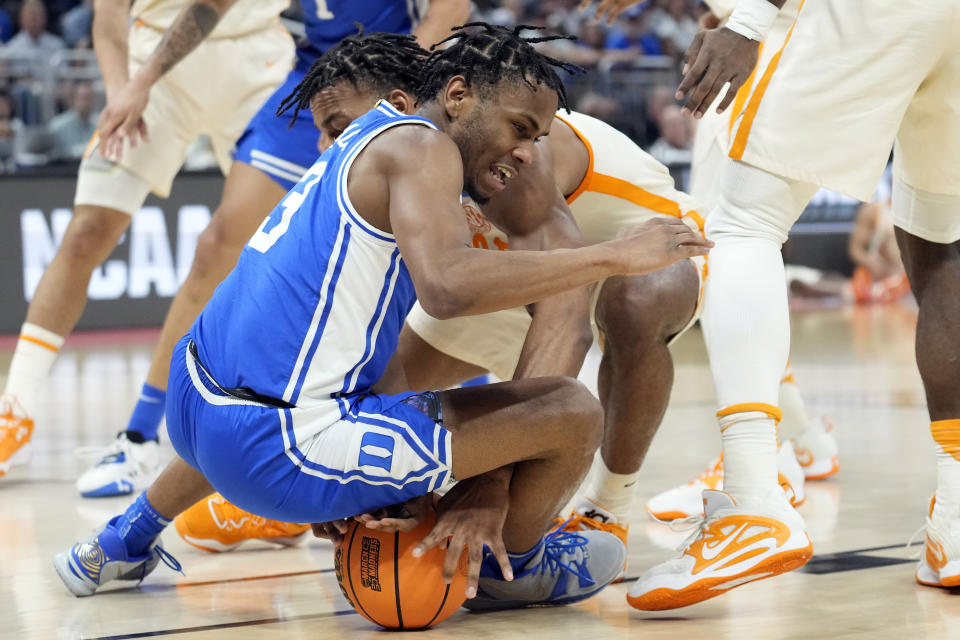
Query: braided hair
point(488, 54)
point(378, 62)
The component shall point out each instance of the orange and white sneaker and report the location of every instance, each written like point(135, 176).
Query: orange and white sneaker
point(816, 449)
point(16, 429)
point(591, 517)
point(686, 500)
point(731, 547)
point(939, 565)
point(214, 524)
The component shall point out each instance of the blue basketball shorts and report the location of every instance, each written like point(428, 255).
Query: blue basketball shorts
point(270, 144)
point(383, 451)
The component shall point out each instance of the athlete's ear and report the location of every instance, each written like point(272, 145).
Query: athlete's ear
point(402, 101)
point(454, 95)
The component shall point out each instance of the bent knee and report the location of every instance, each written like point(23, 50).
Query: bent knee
point(635, 312)
point(583, 416)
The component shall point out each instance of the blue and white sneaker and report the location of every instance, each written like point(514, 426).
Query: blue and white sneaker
point(102, 557)
point(567, 567)
point(125, 467)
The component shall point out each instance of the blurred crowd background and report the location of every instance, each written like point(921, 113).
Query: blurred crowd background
point(51, 93)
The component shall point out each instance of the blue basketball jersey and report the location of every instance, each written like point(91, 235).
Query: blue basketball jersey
point(327, 22)
point(312, 312)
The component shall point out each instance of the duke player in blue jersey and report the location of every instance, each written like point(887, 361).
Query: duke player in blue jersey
point(270, 157)
point(273, 390)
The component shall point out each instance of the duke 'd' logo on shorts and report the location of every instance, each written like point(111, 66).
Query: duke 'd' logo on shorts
point(370, 564)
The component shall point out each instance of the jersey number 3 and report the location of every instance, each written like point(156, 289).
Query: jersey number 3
point(277, 223)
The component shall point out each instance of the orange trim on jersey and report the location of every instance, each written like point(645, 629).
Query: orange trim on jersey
point(696, 217)
point(588, 177)
point(42, 343)
point(91, 145)
point(946, 433)
point(788, 378)
point(742, 94)
point(630, 192)
point(612, 186)
point(743, 131)
point(769, 409)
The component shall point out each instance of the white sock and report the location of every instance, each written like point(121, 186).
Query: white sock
point(749, 456)
point(795, 419)
point(33, 357)
point(612, 492)
point(946, 434)
point(746, 322)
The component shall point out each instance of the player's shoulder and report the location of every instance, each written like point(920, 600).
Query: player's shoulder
point(415, 146)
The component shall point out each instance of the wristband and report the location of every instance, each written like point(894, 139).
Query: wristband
point(753, 19)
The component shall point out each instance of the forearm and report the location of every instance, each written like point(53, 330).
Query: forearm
point(477, 282)
point(558, 338)
point(190, 28)
point(441, 17)
point(110, 35)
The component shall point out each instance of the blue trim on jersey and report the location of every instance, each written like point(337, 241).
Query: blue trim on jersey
point(325, 314)
point(389, 281)
point(343, 196)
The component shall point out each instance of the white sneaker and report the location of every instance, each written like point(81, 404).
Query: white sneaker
point(731, 547)
point(791, 474)
point(816, 449)
point(686, 500)
point(125, 467)
point(939, 564)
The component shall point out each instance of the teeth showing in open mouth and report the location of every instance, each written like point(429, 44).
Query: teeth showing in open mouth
point(503, 173)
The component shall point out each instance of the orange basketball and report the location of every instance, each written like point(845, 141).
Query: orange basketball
point(382, 580)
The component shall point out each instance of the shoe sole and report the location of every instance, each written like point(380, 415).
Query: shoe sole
point(665, 598)
point(823, 475)
point(79, 588)
point(481, 604)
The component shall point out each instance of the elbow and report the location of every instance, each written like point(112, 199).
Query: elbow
point(441, 302)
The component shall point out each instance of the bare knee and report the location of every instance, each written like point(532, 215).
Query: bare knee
point(583, 423)
point(636, 313)
point(92, 234)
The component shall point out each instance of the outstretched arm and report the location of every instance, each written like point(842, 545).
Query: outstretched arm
point(454, 279)
point(441, 17)
point(122, 117)
point(110, 18)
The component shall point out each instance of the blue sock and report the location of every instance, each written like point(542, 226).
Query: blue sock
point(148, 413)
point(476, 382)
point(139, 525)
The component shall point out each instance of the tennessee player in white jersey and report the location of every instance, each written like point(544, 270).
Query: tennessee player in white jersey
point(851, 81)
point(248, 53)
point(272, 398)
point(809, 438)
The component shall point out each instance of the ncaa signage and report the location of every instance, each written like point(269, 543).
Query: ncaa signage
point(134, 286)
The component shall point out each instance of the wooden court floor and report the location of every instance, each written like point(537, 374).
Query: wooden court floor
point(856, 366)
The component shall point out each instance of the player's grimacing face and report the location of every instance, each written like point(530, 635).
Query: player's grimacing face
point(498, 133)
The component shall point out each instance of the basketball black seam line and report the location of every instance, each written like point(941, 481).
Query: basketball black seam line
point(396, 575)
point(356, 600)
point(443, 602)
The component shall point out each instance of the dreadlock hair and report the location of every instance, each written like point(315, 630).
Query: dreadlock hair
point(378, 62)
point(488, 54)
